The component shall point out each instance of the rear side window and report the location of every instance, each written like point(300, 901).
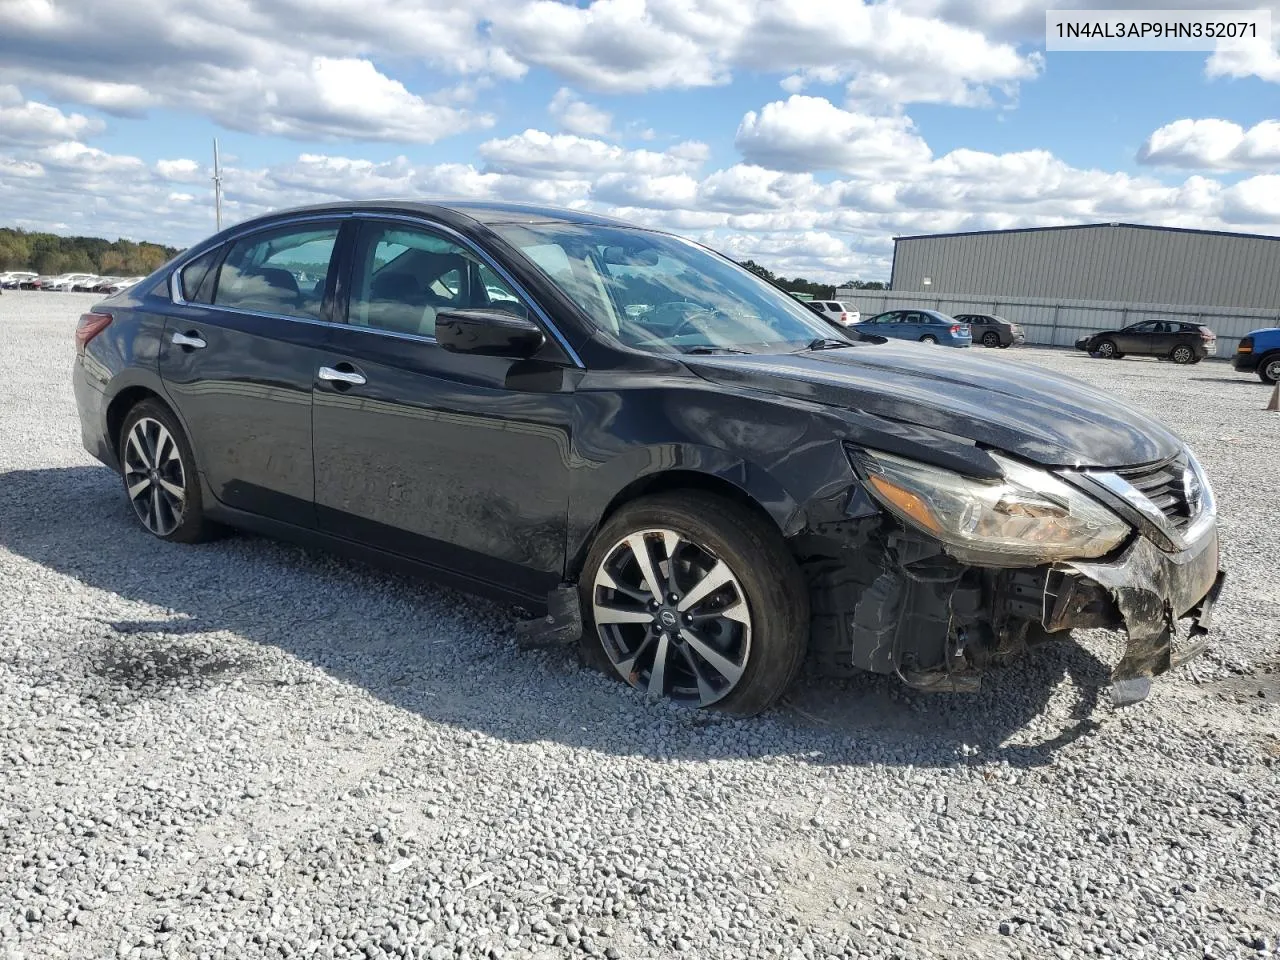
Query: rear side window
point(837, 307)
point(281, 272)
point(196, 279)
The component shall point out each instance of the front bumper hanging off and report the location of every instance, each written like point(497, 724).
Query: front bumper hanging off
point(1152, 592)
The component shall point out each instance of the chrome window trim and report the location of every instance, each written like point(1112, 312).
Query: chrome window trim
point(175, 291)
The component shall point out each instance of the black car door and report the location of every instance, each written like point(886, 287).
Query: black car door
point(239, 356)
point(457, 460)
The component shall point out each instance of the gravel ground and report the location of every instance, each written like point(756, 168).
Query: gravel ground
point(243, 749)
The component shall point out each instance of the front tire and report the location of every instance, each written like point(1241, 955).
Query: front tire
point(695, 599)
point(1269, 369)
point(160, 477)
point(1107, 350)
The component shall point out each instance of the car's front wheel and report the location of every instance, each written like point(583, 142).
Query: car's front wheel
point(1106, 349)
point(1269, 369)
point(159, 474)
point(1182, 354)
point(694, 598)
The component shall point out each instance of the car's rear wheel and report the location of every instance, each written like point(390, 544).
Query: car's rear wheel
point(695, 599)
point(928, 338)
point(1269, 369)
point(1106, 349)
point(159, 474)
point(991, 339)
point(1182, 354)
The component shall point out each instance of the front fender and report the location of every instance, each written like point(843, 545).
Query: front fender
point(774, 453)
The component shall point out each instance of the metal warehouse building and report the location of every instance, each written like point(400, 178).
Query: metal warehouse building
point(1115, 261)
point(1063, 282)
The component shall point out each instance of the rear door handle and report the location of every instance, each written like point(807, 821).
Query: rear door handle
point(192, 340)
point(339, 375)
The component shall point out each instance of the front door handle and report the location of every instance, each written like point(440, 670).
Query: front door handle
point(192, 340)
point(340, 375)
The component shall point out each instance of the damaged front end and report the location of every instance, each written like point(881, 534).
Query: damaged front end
point(934, 576)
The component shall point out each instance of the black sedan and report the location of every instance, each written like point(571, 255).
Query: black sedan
point(697, 479)
point(992, 331)
point(1174, 340)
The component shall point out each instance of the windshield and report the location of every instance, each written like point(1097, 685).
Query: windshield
point(657, 292)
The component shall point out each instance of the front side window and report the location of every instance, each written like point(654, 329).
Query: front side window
point(660, 293)
point(281, 272)
point(404, 276)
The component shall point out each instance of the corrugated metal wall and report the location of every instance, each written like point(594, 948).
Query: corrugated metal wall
point(1120, 264)
point(1061, 322)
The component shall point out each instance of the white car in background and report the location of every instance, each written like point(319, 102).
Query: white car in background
point(67, 281)
point(836, 312)
point(13, 278)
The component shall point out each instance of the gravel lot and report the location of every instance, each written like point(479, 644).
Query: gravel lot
point(243, 749)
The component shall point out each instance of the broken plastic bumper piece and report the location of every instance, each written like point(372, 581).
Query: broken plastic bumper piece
point(1163, 601)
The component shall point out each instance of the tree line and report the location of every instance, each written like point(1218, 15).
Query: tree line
point(819, 291)
point(48, 253)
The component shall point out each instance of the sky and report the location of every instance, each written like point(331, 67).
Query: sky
point(803, 134)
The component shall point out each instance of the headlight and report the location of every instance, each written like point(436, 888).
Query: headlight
point(1028, 515)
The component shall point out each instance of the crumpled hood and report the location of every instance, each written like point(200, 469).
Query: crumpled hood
point(1020, 408)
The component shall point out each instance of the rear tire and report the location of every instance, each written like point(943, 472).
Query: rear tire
point(750, 662)
point(991, 340)
point(1182, 354)
point(160, 478)
point(929, 338)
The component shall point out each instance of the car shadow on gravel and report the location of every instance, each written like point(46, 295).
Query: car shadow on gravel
point(452, 659)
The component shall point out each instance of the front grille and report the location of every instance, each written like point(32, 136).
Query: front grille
point(1163, 485)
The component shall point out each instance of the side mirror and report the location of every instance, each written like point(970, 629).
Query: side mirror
point(488, 333)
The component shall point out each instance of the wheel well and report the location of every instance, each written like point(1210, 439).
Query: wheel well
point(121, 404)
point(665, 482)
point(1273, 354)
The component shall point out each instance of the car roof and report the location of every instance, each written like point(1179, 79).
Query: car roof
point(477, 211)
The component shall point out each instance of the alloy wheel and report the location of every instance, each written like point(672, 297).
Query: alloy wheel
point(154, 477)
point(672, 617)
point(1182, 355)
point(991, 339)
point(1107, 349)
point(1272, 370)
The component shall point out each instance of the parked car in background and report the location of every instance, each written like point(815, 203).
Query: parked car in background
point(66, 282)
point(926, 326)
point(1175, 340)
point(835, 311)
point(1259, 352)
point(992, 331)
point(95, 284)
point(696, 496)
point(15, 278)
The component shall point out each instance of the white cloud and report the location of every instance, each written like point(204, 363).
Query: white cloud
point(1212, 144)
point(535, 153)
point(578, 116)
point(183, 171)
point(27, 122)
point(811, 133)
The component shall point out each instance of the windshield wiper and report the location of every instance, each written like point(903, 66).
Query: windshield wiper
point(826, 343)
point(709, 350)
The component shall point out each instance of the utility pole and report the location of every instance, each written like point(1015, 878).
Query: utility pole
point(217, 185)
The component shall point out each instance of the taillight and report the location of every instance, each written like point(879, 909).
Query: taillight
point(90, 325)
point(959, 329)
point(844, 318)
point(1207, 334)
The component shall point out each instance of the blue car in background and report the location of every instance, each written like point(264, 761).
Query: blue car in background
point(926, 326)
